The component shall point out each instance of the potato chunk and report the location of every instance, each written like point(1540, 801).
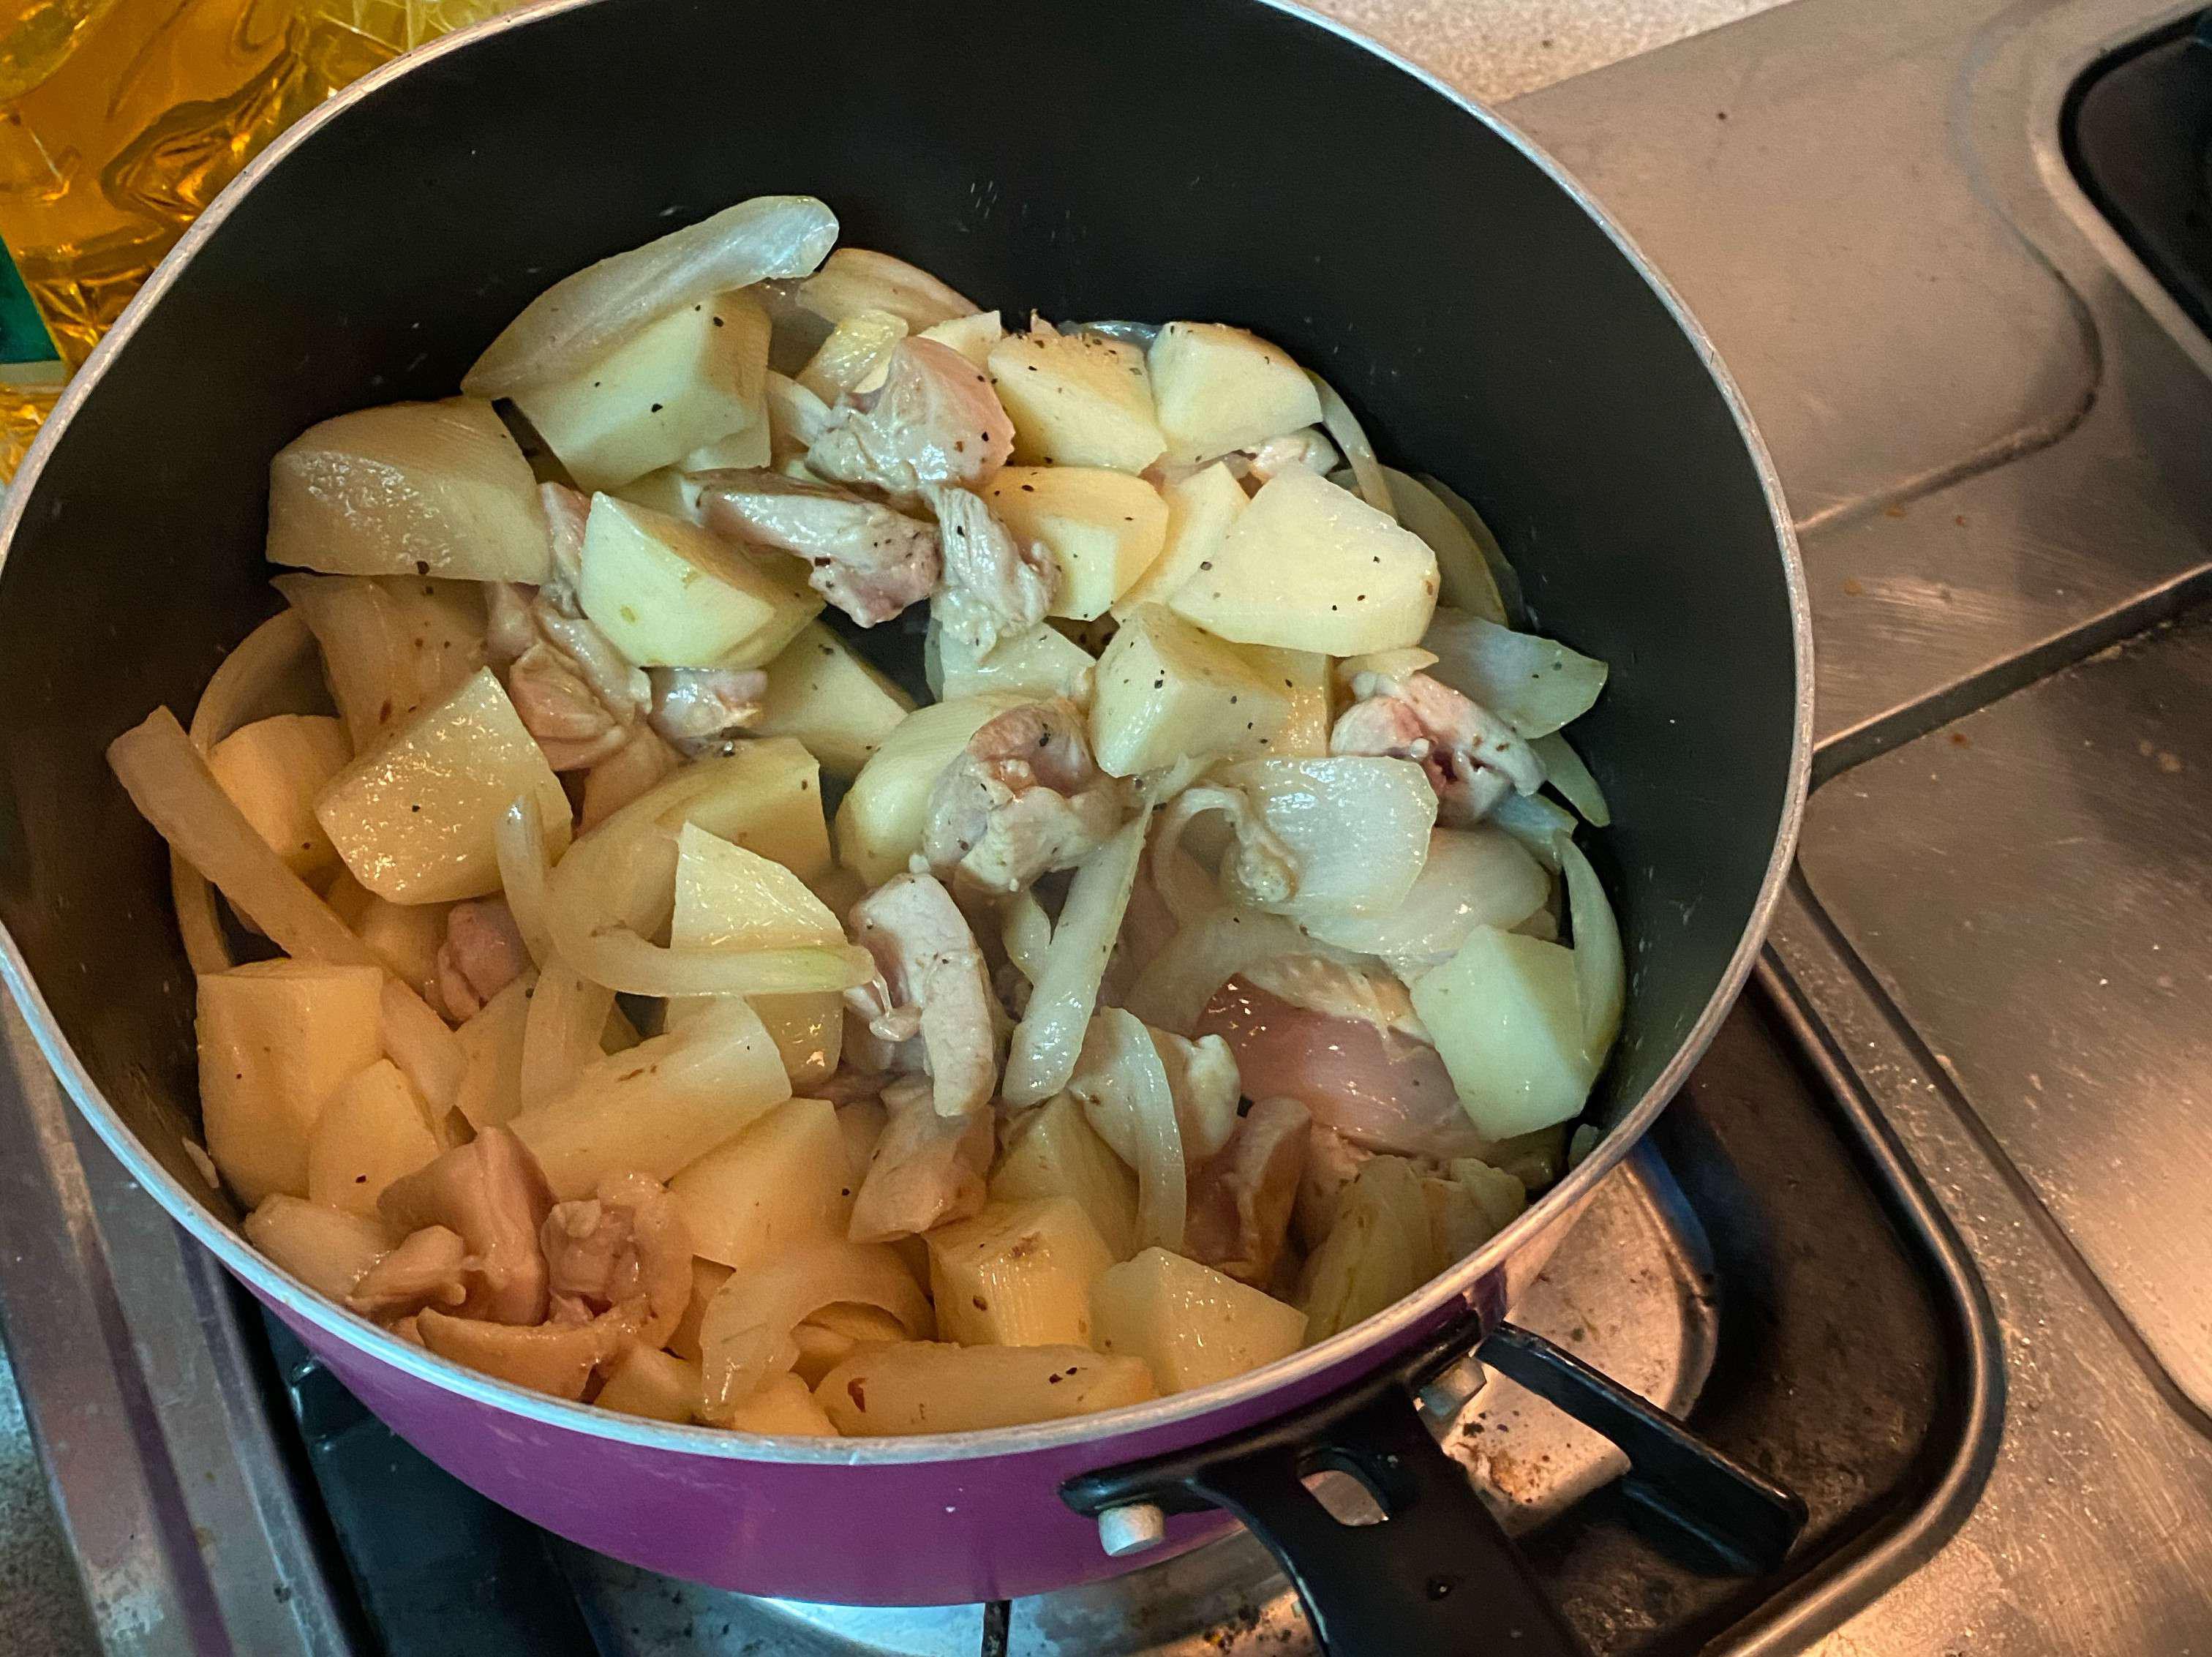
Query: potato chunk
point(782, 1180)
point(880, 823)
point(1168, 691)
point(325, 1248)
point(1218, 388)
point(409, 489)
point(1190, 1322)
point(1379, 1248)
point(654, 1385)
point(933, 1387)
point(405, 936)
point(1054, 1151)
point(491, 1088)
point(1017, 1275)
point(823, 692)
point(1077, 401)
point(765, 795)
point(659, 1106)
point(415, 820)
point(1313, 567)
point(1038, 665)
point(375, 1129)
point(974, 336)
point(1504, 1016)
point(276, 1040)
point(1103, 528)
point(272, 770)
point(1303, 675)
point(669, 594)
point(688, 379)
point(1200, 508)
point(784, 1408)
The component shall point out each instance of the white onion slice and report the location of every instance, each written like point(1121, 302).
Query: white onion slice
point(1535, 685)
point(745, 1332)
point(1463, 577)
point(1341, 424)
point(560, 1032)
point(1050, 1035)
point(1502, 575)
point(1127, 1097)
point(582, 316)
point(1600, 968)
point(520, 838)
point(1564, 770)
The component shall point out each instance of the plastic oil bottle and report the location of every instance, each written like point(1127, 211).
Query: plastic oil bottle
point(120, 119)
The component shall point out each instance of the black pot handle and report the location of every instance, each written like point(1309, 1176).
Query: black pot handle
point(1437, 1574)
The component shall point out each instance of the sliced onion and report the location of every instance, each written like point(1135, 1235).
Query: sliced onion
point(745, 1333)
point(1344, 426)
point(1463, 576)
point(173, 790)
point(1601, 969)
point(856, 279)
point(1356, 828)
point(1026, 931)
point(1536, 823)
point(1050, 1035)
point(520, 838)
point(582, 316)
point(424, 1047)
point(244, 687)
point(561, 1032)
point(1473, 877)
point(1564, 770)
point(1172, 991)
point(1127, 1097)
point(1535, 685)
point(622, 961)
point(1502, 575)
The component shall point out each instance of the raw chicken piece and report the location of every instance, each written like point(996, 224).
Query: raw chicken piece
point(1473, 757)
point(868, 560)
point(995, 587)
point(482, 954)
point(1241, 1201)
point(931, 982)
point(622, 1254)
point(429, 1268)
point(1023, 799)
point(491, 1192)
point(1332, 1162)
point(935, 420)
point(1375, 1085)
point(567, 511)
point(697, 708)
point(927, 1167)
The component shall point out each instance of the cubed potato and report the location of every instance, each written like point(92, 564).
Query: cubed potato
point(1016, 1275)
point(1218, 388)
point(671, 490)
point(410, 489)
point(491, 1088)
point(783, 1181)
point(326, 1249)
point(708, 1278)
point(1303, 675)
point(1103, 528)
point(654, 1385)
point(659, 1106)
point(692, 376)
point(1312, 567)
point(272, 770)
point(934, 1386)
point(372, 1130)
point(1378, 1250)
point(784, 1408)
point(1200, 508)
point(1077, 399)
point(1168, 691)
point(765, 795)
point(669, 594)
point(823, 693)
point(740, 450)
point(1042, 663)
point(836, 1332)
point(1190, 1322)
point(276, 1040)
point(1467, 1209)
point(862, 1123)
point(880, 823)
point(415, 820)
point(405, 936)
point(1054, 1151)
point(974, 337)
point(392, 645)
point(1505, 1019)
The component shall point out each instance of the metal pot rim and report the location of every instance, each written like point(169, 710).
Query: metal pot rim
point(1458, 1284)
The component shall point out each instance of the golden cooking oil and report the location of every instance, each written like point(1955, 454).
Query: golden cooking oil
point(120, 119)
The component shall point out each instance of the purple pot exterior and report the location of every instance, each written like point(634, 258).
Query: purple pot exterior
point(989, 1527)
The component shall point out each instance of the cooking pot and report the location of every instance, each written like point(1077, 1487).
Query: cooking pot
point(1222, 159)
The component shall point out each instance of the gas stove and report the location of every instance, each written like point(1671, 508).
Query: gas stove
point(1915, 1240)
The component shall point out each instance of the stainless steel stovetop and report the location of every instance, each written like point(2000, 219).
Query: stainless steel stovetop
point(1923, 1236)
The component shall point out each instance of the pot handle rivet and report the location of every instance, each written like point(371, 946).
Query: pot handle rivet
point(1131, 1527)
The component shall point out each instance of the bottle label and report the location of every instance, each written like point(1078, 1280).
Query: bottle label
point(23, 335)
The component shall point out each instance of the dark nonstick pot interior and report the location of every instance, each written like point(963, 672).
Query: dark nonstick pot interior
point(1164, 158)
